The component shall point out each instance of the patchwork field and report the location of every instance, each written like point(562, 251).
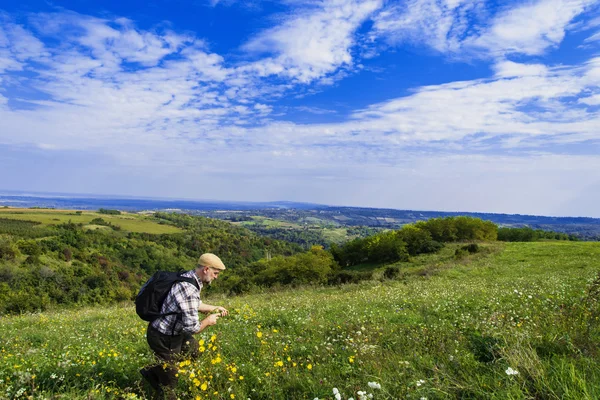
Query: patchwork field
point(519, 322)
point(128, 222)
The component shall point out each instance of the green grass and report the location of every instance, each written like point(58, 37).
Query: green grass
point(335, 235)
point(128, 222)
point(449, 333)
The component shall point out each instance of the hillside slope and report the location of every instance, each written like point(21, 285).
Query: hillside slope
point(521, 322)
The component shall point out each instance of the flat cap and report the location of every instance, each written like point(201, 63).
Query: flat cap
point(210, 260)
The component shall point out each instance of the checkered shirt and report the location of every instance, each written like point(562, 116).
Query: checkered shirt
point(183, 298)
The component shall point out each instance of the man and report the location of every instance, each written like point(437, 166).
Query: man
point(171, 337)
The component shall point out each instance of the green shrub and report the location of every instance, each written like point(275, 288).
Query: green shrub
point(344, 277)
point(391, 272)
point(471, 248)
point(460, 253)
point(8, 250)
point(313, 266)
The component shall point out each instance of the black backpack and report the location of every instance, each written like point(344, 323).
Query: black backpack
point(149, 301)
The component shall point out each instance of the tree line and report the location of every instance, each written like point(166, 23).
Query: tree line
point(68, 264)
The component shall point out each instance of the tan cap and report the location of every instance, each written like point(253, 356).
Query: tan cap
point(210, 260)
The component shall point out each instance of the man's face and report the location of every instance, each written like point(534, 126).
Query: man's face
point(210, 274)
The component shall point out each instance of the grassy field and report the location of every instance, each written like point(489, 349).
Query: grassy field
point(515, 322)
point(330, 233)
point(128, 222)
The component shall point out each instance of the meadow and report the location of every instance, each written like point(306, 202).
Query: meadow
point(127, 221)
point(515, 321)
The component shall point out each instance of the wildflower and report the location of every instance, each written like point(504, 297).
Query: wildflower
point(336, 394)
point(420, 382)
point(259, 334)
point(351, 359)
point(510, 371)
point(374, 385)
point(309, 366)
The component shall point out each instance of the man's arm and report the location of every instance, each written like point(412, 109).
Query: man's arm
point(207, 308)
point(208, 321)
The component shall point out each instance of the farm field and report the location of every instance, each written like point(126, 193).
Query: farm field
point(517, 322)
point(127, 221)
point(331, 233)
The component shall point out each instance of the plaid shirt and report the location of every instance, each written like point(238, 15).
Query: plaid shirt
point(183, 298)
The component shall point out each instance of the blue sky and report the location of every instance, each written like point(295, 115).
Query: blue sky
point(454, 105)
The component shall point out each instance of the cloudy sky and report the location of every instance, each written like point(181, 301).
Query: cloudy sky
point(454, 105)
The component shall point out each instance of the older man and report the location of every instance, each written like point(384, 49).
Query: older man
point(171, 336)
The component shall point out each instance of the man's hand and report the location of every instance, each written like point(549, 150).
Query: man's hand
point(210, 320)
point(222, 311)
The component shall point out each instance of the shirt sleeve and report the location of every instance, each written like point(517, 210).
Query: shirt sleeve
point(188, 303)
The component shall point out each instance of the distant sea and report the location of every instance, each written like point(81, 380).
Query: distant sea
point(89, 202)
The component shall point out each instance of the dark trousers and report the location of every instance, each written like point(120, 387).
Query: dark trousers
point(169, 350)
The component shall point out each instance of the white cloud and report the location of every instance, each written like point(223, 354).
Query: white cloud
point(313, 42)
point(593, 100)
point(315, 110)
point(17, 46)
point(507, 69)
point(530, 28)
point(594, 38)
point(439, 24)
point(467, 28)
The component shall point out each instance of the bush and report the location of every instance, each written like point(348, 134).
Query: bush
point(26, 301)
point(344, 277)
point(460, 253)
point(391, 272)
point(451, 229)
point(471, 248)
point(110, 212)
point(30, 247)
point(8, 250)
point(418, 241)
point(313, 266)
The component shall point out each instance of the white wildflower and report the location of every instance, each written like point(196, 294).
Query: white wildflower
point(374, 385)
point(336, 394)
point(510, 371)
point(420, 382)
